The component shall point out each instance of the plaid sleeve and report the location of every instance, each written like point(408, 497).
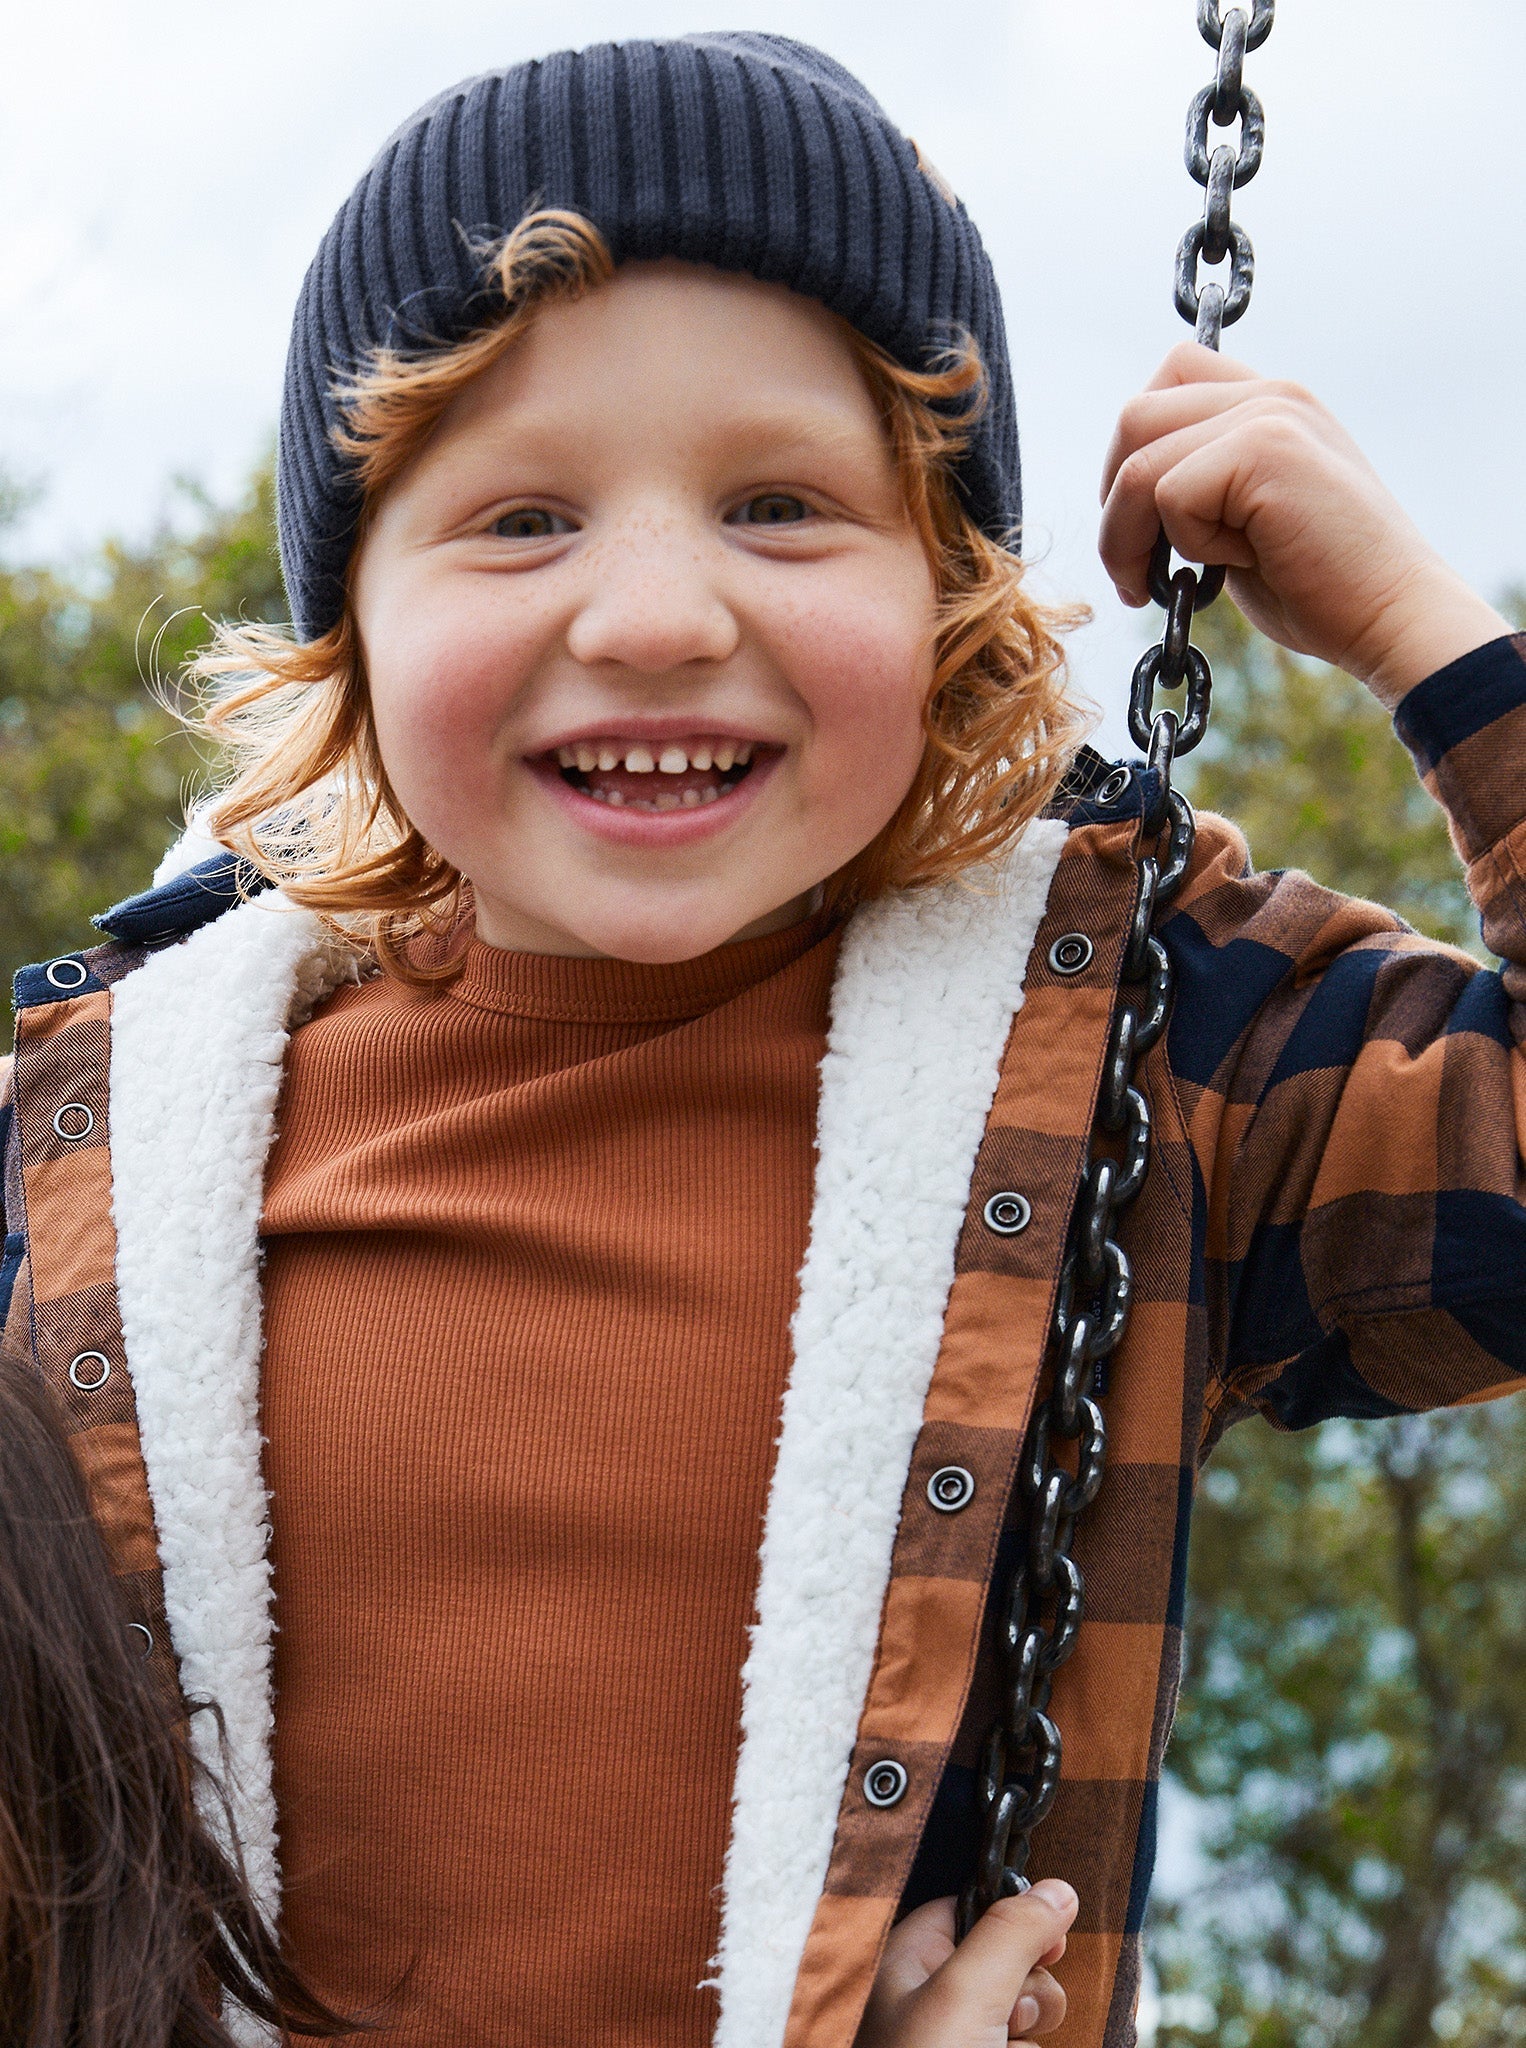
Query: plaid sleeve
point(1356, 1097)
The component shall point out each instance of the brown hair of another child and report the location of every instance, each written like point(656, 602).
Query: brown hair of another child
point(308, 801)
point(122, 1920)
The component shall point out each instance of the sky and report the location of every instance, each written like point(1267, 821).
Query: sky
point(167, 168)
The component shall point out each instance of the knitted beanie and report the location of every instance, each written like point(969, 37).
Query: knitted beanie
point(750, 152)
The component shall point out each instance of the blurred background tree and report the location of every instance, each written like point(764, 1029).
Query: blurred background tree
point(1351, 1749)
point(93, 773)
point(1352, 1734)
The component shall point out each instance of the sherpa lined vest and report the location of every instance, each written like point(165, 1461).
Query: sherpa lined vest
point(960, 1063)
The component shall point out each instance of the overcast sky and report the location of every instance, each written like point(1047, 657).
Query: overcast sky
point(167, 167)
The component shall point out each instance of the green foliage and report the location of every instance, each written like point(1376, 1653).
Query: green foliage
point(93, 772)
point(1355, 1724)
point(1353, 1720)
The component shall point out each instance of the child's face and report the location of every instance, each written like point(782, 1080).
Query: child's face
point(665, 529)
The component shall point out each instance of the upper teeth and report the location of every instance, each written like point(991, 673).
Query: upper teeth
point(639, 759)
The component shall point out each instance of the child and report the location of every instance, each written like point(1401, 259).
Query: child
point(677, 894)
point(120, 1910)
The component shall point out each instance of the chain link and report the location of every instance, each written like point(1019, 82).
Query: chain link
point(1040, 1613)
point(1210, 307)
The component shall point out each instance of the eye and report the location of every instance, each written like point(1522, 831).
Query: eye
point(530, 522)
point(772, 508)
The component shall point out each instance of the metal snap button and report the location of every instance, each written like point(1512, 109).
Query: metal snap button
point(81, 1121)
point(86, 1358)
point(885, 1783)
point(67, 973)
point(1114, 786)
point(138, 1628)
point(1008, 1213)
point(951, 1488)
point(1072, 954)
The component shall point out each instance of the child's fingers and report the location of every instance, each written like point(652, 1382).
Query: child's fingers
point(919, 1945)
point(1140, 500)
point(1040, 2007)
point(1005, 1936)
point(983, 1981)
point(1152, 414)
point(1190, 363)
point(996, 1986)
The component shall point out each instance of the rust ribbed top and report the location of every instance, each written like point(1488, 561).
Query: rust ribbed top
point(531, 1259)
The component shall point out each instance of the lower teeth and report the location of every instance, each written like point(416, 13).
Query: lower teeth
point(687, 800)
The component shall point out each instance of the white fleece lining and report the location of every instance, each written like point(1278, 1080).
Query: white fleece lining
point(925, 994)
point(194, 844)
point(198, 1042)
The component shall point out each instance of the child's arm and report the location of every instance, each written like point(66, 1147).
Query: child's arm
point(994, 1988)
point(1256, 473)
point(1354, 1094)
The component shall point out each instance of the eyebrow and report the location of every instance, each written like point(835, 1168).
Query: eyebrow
point(785, 433)
point(790, 433)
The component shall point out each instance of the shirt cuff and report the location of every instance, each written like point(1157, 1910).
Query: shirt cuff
point(1466, 729)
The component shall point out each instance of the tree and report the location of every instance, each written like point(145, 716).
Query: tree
point(93, 772)
point(1353, 1722)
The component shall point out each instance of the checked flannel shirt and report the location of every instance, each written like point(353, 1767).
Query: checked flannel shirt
point(1335, 1226)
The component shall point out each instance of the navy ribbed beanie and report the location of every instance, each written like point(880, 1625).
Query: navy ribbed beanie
point(747, 151)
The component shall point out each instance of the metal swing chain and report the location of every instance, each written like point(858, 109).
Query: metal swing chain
point(1040, 1613)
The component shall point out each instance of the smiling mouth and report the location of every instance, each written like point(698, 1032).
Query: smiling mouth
point(675, 775)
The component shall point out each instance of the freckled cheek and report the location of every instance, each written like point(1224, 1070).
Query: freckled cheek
point(864, 676)
point(442, 700)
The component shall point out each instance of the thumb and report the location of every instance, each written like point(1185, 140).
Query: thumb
point(982, 1980)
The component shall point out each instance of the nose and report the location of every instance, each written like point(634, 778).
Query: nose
point(653, 601)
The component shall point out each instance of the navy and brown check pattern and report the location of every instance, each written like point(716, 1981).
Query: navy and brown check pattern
point(1334, 1224)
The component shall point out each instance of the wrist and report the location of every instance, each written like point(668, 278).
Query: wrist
point(1438, 619)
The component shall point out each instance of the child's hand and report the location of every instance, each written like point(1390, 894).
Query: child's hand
point(1255, 473)
point(992, 1989)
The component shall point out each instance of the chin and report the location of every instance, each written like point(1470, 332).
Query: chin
point(650, 926)
point(663, 943)
point(683, 931)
